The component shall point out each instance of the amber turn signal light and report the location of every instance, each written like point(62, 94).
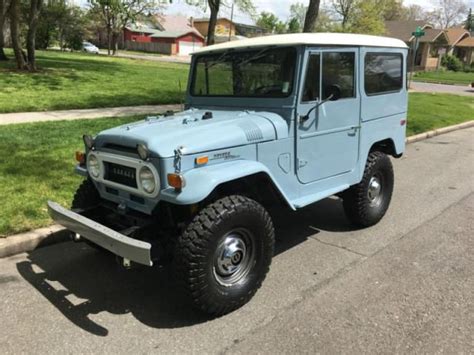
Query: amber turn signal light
point(81, 157)
point(176, 180)
point(202, 160)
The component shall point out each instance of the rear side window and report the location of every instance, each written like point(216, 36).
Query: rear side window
point(383, 73)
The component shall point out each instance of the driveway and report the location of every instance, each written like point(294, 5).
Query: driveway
point(405, 285)
point(441, 88)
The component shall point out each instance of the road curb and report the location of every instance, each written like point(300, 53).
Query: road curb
point(437, 132)
point(24, 242)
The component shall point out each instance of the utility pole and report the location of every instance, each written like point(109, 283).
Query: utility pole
point(231, 20)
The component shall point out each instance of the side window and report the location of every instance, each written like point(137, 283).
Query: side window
point(383, 73)
point(311, 81)
point(338, 69)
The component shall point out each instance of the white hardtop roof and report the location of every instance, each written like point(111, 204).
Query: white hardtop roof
point(323, 39)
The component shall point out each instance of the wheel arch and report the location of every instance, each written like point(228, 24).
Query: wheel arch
point(236, 177)
point(386, 146)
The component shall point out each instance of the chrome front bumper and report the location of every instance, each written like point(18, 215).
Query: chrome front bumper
point(115, 242)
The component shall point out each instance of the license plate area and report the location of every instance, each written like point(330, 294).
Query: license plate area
point(120, 174)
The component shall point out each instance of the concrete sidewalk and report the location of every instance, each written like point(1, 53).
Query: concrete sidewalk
point(185, 59)
point(25, 117)
point(442, 88)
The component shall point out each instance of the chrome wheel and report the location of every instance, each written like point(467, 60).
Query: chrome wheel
point(234, 257)
point(374, 192)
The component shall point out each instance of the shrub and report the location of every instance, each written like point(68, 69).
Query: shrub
point(451, 63)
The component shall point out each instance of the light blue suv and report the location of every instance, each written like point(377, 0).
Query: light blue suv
point(271, 122)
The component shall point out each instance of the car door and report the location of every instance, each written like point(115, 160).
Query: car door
point(328, 138)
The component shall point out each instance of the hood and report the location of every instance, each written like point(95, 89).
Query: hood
point(197, 131)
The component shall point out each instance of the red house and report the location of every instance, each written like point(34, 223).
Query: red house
point(167, 34)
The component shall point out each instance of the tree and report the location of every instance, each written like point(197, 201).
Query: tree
point(4, 6)
point(367, 18)
point(211, 30)
point(447, 13)
point(14, 17)
point(294, 26)
point(415, 13)
point(344, 9)
point(298, 13)
point(115, 15)
point(311, 16)
point(392, 9)
point(469, 24)
point(33, 18)
point(267, 21)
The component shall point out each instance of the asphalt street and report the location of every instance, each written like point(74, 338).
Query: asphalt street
point(404, 285)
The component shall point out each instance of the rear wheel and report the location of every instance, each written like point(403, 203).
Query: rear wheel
point(367, 202)
point(224, 254)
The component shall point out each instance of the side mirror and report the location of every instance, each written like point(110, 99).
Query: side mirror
point(333, 92)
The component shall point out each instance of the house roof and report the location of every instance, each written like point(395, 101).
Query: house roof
point(342, 39)
point(174, 34)
point(206, 19)
point(432, 35)
point(168, 26)
point(466, 42)
point(403, 29)
point(456, 34)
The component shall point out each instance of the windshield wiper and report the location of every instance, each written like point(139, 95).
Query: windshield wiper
point(254, 57)
point(220, 59)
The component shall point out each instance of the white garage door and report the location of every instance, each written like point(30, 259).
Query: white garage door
point(186, 48)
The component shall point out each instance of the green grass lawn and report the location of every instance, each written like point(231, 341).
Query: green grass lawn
point(445, 77)
point(37, 159)
point(77, 80)
point(431, 111)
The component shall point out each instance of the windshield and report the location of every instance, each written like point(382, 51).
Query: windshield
point(267, 72)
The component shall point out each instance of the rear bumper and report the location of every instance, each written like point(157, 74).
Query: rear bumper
point(115, 242)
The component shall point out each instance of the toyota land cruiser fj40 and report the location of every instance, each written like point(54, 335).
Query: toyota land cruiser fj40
point(269, 122)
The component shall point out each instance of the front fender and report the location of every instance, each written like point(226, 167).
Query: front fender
point(200, 182)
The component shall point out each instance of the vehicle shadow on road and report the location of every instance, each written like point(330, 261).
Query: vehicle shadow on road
point(82, 282)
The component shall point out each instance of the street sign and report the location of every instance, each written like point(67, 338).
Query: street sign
point(419, 32)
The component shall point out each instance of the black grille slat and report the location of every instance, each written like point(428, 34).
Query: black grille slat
point(120, 174)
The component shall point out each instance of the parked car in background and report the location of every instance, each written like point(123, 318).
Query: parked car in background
point(89, 48)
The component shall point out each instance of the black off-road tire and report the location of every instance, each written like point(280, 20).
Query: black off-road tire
point(86, 196)
point(358, 206)
point(197, 248)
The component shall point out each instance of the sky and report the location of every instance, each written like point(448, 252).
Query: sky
point(280, 8)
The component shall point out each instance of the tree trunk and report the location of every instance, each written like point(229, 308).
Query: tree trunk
point(109, 40)
point(3, 11)
point(35, 8)
point(214, 7)
point(115, 38)
point(15, 34)
point(311, 16)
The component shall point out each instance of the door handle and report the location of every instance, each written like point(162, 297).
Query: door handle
point(352, 132)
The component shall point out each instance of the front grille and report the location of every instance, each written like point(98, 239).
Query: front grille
point(120, 174)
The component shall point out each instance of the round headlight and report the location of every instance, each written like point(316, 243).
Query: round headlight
point(93, 165)
point(147, 180)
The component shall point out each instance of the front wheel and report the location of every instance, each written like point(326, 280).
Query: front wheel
point(224, 254)
point(367, 202)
